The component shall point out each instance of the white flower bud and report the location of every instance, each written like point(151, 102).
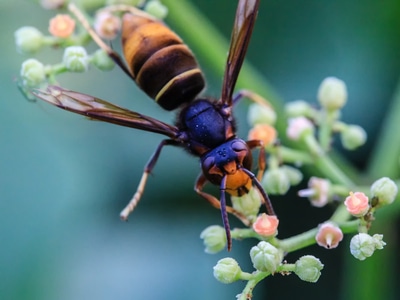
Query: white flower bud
point(353, 136)
point(308, 268)
point(363, 245)
point(384, 191)
point(260, 114)
point(227, 270)
point(102, 61)
point(156, 9)
point(265, 257)
point(332, 93)
point(76, 59)
point(32, 73)
point(214, 238)
point(28, 40)
point(276, 181)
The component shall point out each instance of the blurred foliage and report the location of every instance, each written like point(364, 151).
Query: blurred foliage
point(63, 179)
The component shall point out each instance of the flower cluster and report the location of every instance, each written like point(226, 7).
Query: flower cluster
point(63, 32)
point(313, 128)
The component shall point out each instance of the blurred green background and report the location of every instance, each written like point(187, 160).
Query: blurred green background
point(63, 179)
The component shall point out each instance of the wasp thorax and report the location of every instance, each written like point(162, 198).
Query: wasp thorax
point(205, 126)
point(162, 65)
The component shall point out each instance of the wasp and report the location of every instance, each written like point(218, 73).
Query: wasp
point(166, 70)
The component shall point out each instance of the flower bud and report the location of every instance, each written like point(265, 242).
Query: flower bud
point(363, 245)
point(156, 9)
point(62, 26)
point(137, 3)
point(353, 136)
point(260, 114)
point(317, 192)
point(227, 270)
point(329, 235)
point(383, 191)
point(276, 181)
point(266, 225)
point(76, 59)
point(214, 238)
point(298, 127)
point(107, 25)
point(52, 4)
point(295, 176)
point(308, 268)
point(102, 61)
point(357, 204)
point(332, 93)
point(28, 40)
point(248, 204)
point(32, 73)
point(263, 132)
point(265, 257)
point(297, 108)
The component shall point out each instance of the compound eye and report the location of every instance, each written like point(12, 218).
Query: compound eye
point(208, 163)
point(238, 146)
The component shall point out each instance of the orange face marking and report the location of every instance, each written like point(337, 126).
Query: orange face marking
point(238, 183)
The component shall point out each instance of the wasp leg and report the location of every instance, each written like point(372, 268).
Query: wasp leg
point(261, 156)
point(261, 168)
point(147, 170)
point(224, 213)
point(264, 195)
point(96, 38)
point(252, 96)
point(200, 182)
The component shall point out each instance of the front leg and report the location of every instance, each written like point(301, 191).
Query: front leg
point(199, 185)
point(261, 168)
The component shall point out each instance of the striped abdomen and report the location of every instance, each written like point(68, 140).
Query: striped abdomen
point(162, 65)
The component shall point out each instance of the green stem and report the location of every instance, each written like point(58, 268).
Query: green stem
point(299, 241)
point(307, 238)
point(290, 155)
point(248, 290)
point(325, 129)
point(340, 215)
point(332, 171)
point(244, 233)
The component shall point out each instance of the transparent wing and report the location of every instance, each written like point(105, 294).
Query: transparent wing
point(95, 108)
point(242, 29)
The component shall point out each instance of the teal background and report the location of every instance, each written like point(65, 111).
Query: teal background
point(63, 179)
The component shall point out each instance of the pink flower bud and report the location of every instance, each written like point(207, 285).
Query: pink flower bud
point(357, 204)
point(317, 192)
point(297, 126)
point(328, 235)
point(107, 25)
point(61, 26)
point(266, 225)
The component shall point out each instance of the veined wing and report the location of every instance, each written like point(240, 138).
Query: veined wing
point(242, 29)
point(95, 108)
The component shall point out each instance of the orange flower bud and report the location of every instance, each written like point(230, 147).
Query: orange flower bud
point(357, 204)
point(266, 225)
point(61, 26)
point(263, 132)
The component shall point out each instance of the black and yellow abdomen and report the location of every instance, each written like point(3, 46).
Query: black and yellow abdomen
point(161, 64)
